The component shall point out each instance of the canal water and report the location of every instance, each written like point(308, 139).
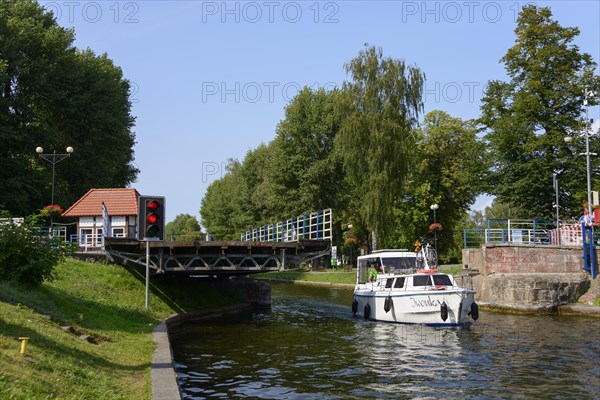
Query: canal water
point(309, 346)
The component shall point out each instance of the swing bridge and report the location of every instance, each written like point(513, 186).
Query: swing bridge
point(273, 247)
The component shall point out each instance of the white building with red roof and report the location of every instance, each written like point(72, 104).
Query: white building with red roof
point(121, 205)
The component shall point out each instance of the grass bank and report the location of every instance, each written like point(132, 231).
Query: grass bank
point(329, 276)
point(332, 276)
point(90, 336)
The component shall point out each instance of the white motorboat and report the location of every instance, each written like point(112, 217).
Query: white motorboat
point(389, 287)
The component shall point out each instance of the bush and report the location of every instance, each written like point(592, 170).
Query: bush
point(26, 255)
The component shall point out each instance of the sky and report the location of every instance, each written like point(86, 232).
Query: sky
point(211, 79)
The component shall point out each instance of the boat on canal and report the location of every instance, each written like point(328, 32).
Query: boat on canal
point(391, 287)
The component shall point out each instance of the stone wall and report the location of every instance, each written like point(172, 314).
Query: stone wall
point(529, 293)
point(504, 258)
point(525, 278)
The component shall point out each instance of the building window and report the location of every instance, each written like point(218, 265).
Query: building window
point(118, 232)
point(86, 236)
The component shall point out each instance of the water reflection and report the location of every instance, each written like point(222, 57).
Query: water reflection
point(310, 347)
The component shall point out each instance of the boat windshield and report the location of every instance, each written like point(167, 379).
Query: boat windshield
point(398, 264)
point(426, 280)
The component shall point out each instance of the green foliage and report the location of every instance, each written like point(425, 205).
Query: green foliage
point(297, 173)
point(27, 255)
point(348, 278)
point(305, 171)
point(498, 210)
point(183, 227)
point(380, 108)
point(53, 95)
point(527, 118)
point(224, 206)
point(448, 171)
point(104, 302)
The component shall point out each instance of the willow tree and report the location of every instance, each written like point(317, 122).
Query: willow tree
point(380, 112)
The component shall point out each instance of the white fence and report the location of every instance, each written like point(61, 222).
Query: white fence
point(525, 232)
point(314, 226)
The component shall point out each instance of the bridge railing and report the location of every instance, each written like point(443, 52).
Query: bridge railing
point(525, 232)
point(317, 225)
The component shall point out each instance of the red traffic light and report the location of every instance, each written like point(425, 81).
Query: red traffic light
point(152, 218)
point(153, 205)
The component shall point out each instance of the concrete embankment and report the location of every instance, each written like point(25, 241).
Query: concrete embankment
point(164, 379)
point(529, 293)
point(252, 293)
point(528, 279)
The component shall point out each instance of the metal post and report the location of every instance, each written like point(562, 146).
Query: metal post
point(434, 232)
point(53, 159)
point(587, 153)
point(53, 173)
point(555, 181)
point(147, 275)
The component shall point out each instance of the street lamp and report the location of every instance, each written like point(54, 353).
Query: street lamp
point(434, 207)
point(555, 183)
point(53, 159)
point(586, 135)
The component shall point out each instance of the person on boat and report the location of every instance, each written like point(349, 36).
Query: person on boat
point(373, 273)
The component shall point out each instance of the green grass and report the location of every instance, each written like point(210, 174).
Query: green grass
point(103, 301)
point(451, 270)
point(332, 277)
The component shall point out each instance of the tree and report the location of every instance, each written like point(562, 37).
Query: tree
point(222, 209)
point(305, 173)
point(498, 210)
point(53, 95)
point(380, 111)
point(183, 227)
point(448, 171)
point(527, 118)
point(298, 172)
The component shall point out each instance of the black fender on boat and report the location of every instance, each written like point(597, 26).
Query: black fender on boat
point(444, 311)
point(474, 313)
point(387, 305)
point(354, 306)
point(367, 311)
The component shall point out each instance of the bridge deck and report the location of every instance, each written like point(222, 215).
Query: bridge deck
point(216, 257)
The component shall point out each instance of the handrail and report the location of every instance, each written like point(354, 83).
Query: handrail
point(521, 232)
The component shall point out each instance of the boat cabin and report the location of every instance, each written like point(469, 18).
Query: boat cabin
point(386, 262)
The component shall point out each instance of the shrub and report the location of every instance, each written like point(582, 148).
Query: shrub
point(27, 255)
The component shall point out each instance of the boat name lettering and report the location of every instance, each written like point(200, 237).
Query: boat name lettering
point(425, 302)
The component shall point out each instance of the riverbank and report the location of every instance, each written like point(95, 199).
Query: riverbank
point(89, 334)
point(342, 277)
point(588, 308)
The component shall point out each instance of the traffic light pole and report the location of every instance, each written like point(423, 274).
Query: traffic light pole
point(147, 275)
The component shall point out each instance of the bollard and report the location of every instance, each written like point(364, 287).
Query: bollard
point(24, 341)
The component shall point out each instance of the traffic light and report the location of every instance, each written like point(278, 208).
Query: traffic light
point(151, 217)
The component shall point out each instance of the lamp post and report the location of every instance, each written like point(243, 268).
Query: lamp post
point(350, 226)
point(555, 183)
point(53, 159)
point(434, 207)
point(586, 135)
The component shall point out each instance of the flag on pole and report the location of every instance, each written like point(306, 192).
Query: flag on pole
point(106, 231)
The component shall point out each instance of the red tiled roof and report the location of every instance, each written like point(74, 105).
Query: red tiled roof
point(118, 202)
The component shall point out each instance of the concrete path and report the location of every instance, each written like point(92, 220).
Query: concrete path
point(579, 309)
point(164, 383)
